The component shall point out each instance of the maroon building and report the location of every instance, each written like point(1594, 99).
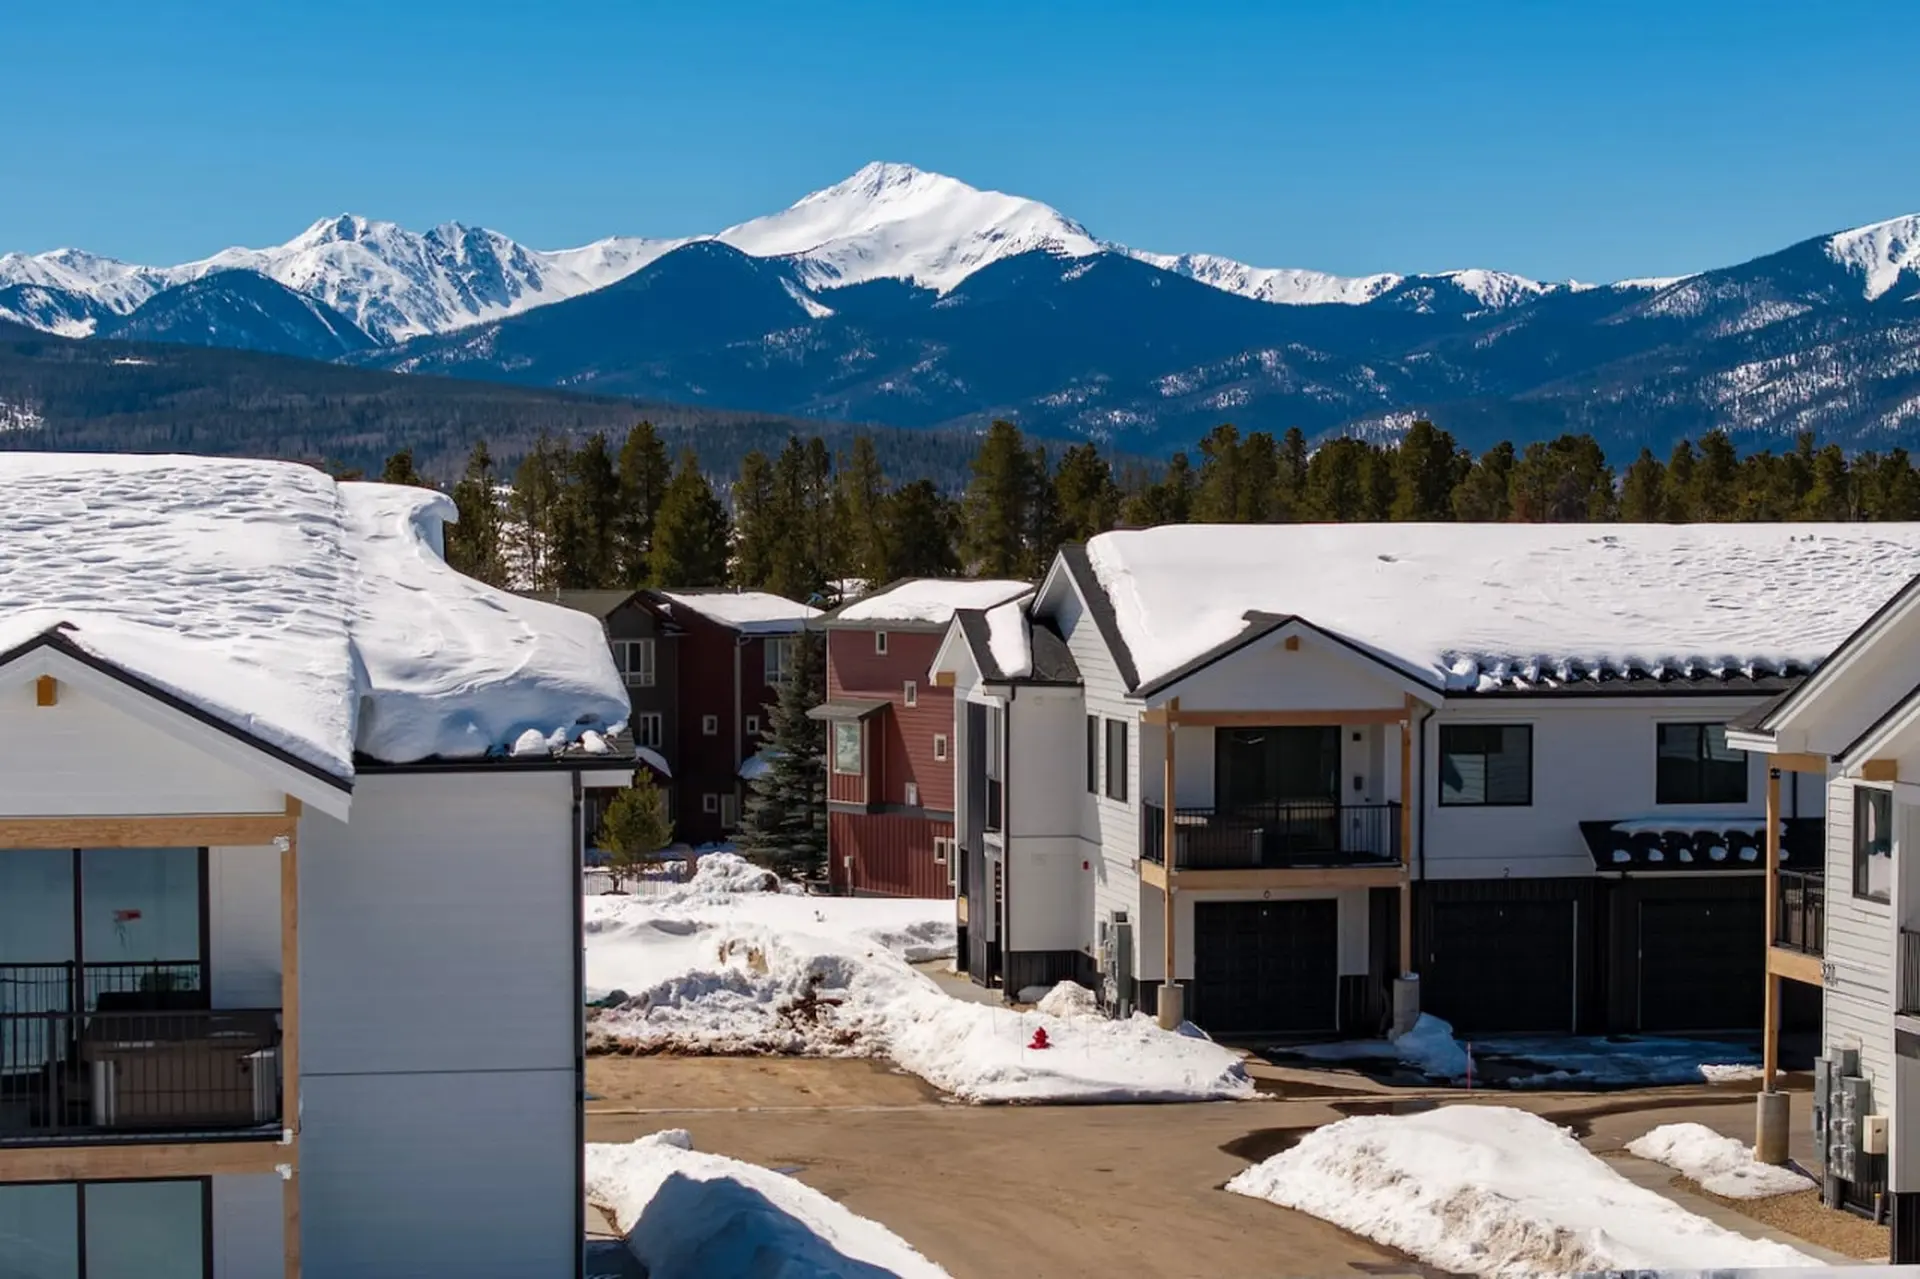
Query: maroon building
point(889, 736)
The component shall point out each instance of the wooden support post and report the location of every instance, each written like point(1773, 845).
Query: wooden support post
point(1770, 1016)
point(1406, 840)
point(1168, 805)
point(46, 691)
point(290, 1033)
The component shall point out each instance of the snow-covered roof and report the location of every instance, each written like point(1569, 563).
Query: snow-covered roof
point(315, 617)
point(749, 612)
point(929, 601)
point(1483, 606)
point(1009, 639)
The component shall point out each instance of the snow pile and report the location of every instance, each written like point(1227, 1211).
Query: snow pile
point(773, 973)
point(690, 1215)
point(1477, 606)
point(930, 600)
point(749, 612)
point(1721, 1165)
point(719, 875)
point(1488, 1190)
point(316, 617)
point(1429, 1048)
point(1069, 1000)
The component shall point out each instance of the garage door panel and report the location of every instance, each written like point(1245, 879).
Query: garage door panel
point(1266, 967)
point(1501, 966)
point(1699, 967)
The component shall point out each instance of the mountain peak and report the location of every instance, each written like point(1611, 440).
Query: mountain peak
point(1879, 252)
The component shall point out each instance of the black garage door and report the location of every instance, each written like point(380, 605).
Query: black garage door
point(1502, 966)
point(1699, 967)
point(1265, 967)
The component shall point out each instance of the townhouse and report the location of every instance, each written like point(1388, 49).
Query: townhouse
point(289, 882)
point(890, 753)
point(1325, 776)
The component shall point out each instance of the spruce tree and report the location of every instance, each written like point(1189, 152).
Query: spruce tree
point(1291, 478)
point(860, 494)
point(1260, 479)
point(1337, 481)
point(586, 535)
point(1427, 468)
point(1168, 500)
point(473, 543)
point(1716, 479)
point(1566, 480)
point(635, 826)
point(756, 532)
point(997, 507)
point(537, 486)
point(689, 531)
point(1219, 496)
point(1676, 501)
point(920, 527)
point(1084, 490)
point(1041, 537)
point(785, 824)
point(1889, 490)
point(1831, 497)
point(1641, 489)
point(645, 472)
point(400, 470)
point(1485, 493)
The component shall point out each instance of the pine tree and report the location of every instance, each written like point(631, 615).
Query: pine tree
point(1083, 488)
point(998, 504)
point(1220, 496)
point(586, 535)
point(920, 526)
point(1566, 480)
point(635, 826)
point(645, 472)
point(473, 543)
point(1641, 489)
point(1168, 500)
point(1427, 469)
point(1291, 478)
point(860, 494)
point(755, 530)
point(1676, 502)
point(1485, 493)
point(1337, 487)
point(689, 531)
point(400, 470)
point(1716, 479)
point(1042, 535)
point(537, 485)
point(1831, 497)
point(785, 823)
point(1888, 488)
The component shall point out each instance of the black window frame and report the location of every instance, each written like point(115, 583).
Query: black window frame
point(1093, 755)
point(1116, 760)
point(79, 1188)
point(1455, 730)
point(1863, 852)
point(1701, 762)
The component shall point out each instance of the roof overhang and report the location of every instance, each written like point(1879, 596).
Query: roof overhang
point(847, 708)
point(1266, 629)
point(55, 655)
point(955, 657)
point(1780, 723)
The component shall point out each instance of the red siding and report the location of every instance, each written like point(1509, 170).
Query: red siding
point(905, 749)
point(892, 855)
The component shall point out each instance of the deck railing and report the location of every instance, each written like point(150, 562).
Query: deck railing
point(1800, 912)
point(1279, 834)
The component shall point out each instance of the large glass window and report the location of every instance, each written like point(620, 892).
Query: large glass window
point(846, 747)
point(779, 658)
point(635, 660)
point(1117, 759)
point(77, 924)
point(1486, 764)
point(1694, 765)
point(1294, 764)
point(105, 1230)
point(1872, 843)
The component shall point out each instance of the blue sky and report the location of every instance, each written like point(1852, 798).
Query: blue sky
point(1594, 142)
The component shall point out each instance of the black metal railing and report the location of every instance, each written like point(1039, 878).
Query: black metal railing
point(1279, 834)
point(42, 988)
point(1800, 912)
point(996, 800)
point(1908, 995)
point(111, 1073)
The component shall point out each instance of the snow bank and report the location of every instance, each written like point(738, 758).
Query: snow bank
point(749, 612)
point(1722, 1165)
point(1467, 606)
point(930, 600)
point(773, 973)
point(1429, 1048)
point(1488, 1190)
point(694, 1215)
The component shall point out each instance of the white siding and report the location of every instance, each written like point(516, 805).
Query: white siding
point(1858, 1008)
point(438, 999)
point(464, 1173)
point(1049, 894)
point(1320, 675)
point(248, 1218)
point(82, 756)
point(243, 927)
point(1593, 760)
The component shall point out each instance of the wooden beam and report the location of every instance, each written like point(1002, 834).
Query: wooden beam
point(46, 691)
point(1794, 966)
point(1276, 719)
point(1406, 838)
point(134, 1162)
point(1155, 875)
point(1770, 1014)
point(1880, 770)
point(1291, 643)
point(233, 830)
point(943, 679)
point(1170, 834)
point(1798, 762)
point(290, 1033)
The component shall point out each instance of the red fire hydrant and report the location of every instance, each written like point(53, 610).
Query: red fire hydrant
point(1040, 1038)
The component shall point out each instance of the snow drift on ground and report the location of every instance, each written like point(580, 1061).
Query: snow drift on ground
point(315, 616)
point(712, 970)
point(930, 600)
point(1724, 1166)
point(1544, 1061)
point(690, 1215)
point(1429, 1048)
point(1475, 606)
point(1489, 1190)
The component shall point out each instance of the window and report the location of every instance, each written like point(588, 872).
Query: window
point(911, 692)
point(729, 811)
point(779, 657)
point(634, 657)
point(1486, 764)
point(646, 729)
point(880, 643)
point(1093, 754)
point(753, 726)
point(710, 803)
point(942, 850)
point(710, 725)
point(1117, 759)
point(107, 1229)
point(913, 795)
point(1694, 765)
point(1872, 843)
point(846, 747)
point(939, 748)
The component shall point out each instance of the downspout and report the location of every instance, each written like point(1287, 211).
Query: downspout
point(739, 730)
point(1420, 834)
point(578, 858)
point(1006, 836)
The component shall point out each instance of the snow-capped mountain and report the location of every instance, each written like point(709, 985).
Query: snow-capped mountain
point(1288, 285)
point(1880, 254)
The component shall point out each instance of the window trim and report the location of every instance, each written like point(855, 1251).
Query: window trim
point(939, 748)
point(880, 643)
point(1441, 753)
point(910, 693)
point(710, 726)
point(659, 729)
point(833, 749)
point(79, 1189)
point(729, 811)
point(911, 794)
point(780, 647)
point(710, 802)
point(753, 726)
point(1116, 777)
point(1094, 732)
point(1746, 768)
point(1863, 860)
point(639, 679)
point(942, 850)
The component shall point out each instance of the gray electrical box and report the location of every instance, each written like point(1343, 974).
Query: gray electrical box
point(1823, 1078)
point(1116, 963)
point(1852, 1102)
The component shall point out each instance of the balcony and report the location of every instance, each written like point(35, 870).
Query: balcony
point(142, 1062)
point(1275, 836)
point(1800, 912)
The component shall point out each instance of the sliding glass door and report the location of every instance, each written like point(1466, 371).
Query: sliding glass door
point(105, 1230)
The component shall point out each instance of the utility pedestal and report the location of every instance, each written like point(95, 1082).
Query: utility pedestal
point(1171, 1009)
point(1770, 1116)
point(1406, 1004)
